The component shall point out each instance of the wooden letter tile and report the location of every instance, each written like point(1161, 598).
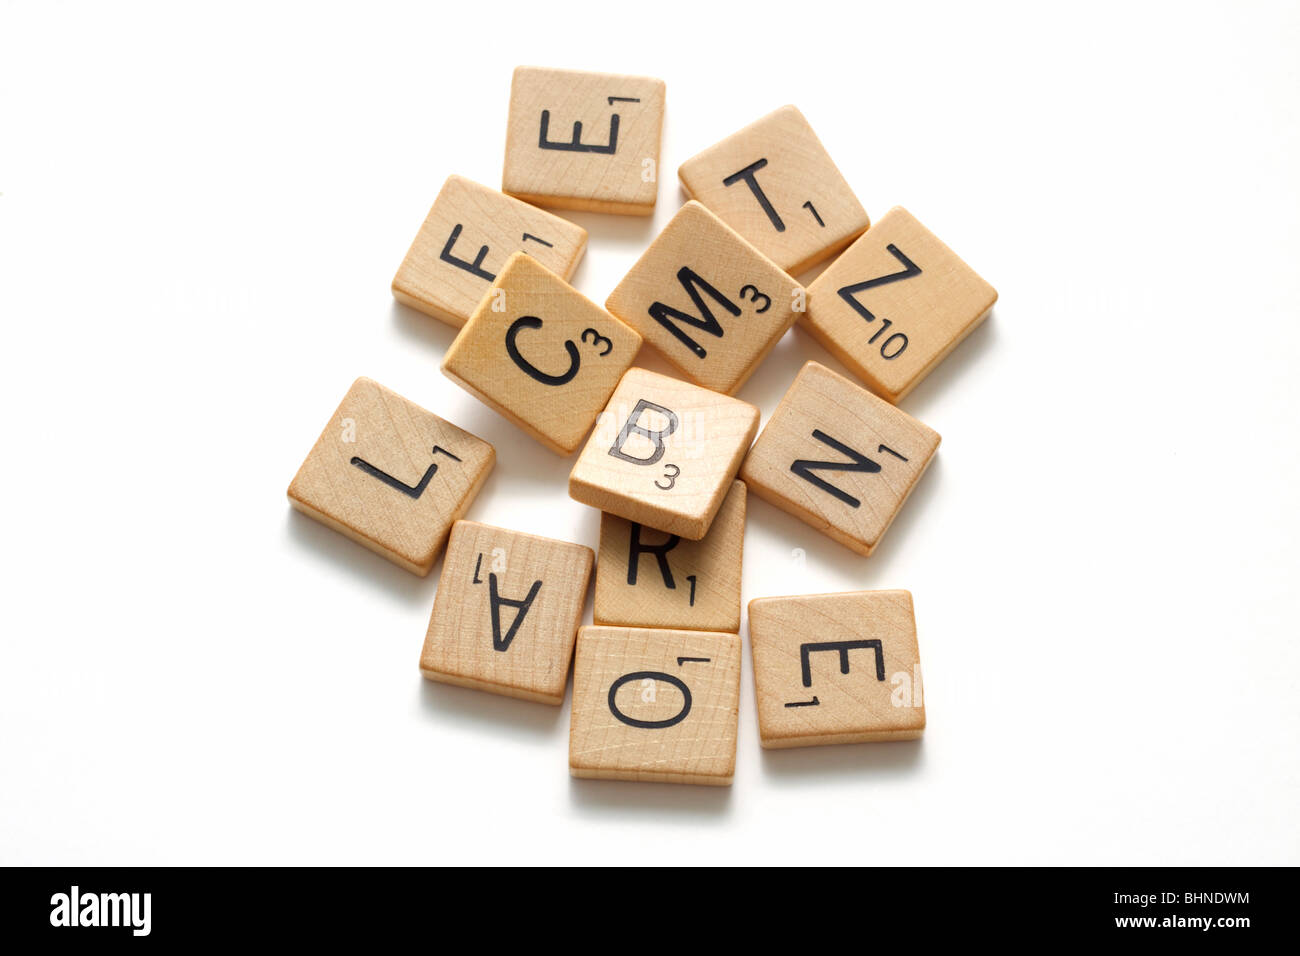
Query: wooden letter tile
point(839, 458)
point(836, 668)
point(391, 476)
point(655, 705)
point(465, 241)
point(775, 184)
point(580, 140)
point(706, 299)
point(541, 354)
point(663, 453)
point(646, 578)
point(895, 304)
point(507, 612)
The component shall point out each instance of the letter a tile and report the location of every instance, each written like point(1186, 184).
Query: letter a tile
point(655, 705)
point(836, 668)
point(707, 300)
point(541, 354)
point(391, 476)
point(895, 304)
point(663, 453)
point(507, 612)
point(775, 184)
point(839, 458)
point(579, 140)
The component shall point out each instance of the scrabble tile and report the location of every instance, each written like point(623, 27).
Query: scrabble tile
point(655, 705)
point(895, 304)
point(839, 458)
point(579, 140)
point(391, 476)
point(663, 453)
point(707, 300)
point(775, 184)
point(541, 354)
point(507, 612)
point(836, 668)
point(646, 578)
point(465, 241)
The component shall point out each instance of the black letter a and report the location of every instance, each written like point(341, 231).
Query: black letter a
point(498, 642)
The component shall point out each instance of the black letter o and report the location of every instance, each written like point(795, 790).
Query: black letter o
point(650, 724)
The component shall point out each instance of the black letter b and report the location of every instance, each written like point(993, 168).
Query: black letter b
point(657, 437)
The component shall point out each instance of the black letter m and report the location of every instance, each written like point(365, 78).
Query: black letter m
point(666, 314)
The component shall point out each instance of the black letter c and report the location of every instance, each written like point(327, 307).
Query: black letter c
point(531, 370)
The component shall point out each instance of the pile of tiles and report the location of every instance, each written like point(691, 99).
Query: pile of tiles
point(668, 461)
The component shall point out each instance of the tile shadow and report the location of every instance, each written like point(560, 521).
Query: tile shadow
point(331, 547)
point(465, 707)
point(622, 799)
point(880, 760)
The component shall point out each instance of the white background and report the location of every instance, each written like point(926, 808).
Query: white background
point(200, 215)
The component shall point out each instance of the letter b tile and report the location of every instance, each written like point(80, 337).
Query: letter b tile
point(664, 453)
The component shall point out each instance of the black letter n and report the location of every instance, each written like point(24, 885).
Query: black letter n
point(805, 468)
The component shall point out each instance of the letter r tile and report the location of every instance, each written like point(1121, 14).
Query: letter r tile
point(664, 453)
point(645, 578)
